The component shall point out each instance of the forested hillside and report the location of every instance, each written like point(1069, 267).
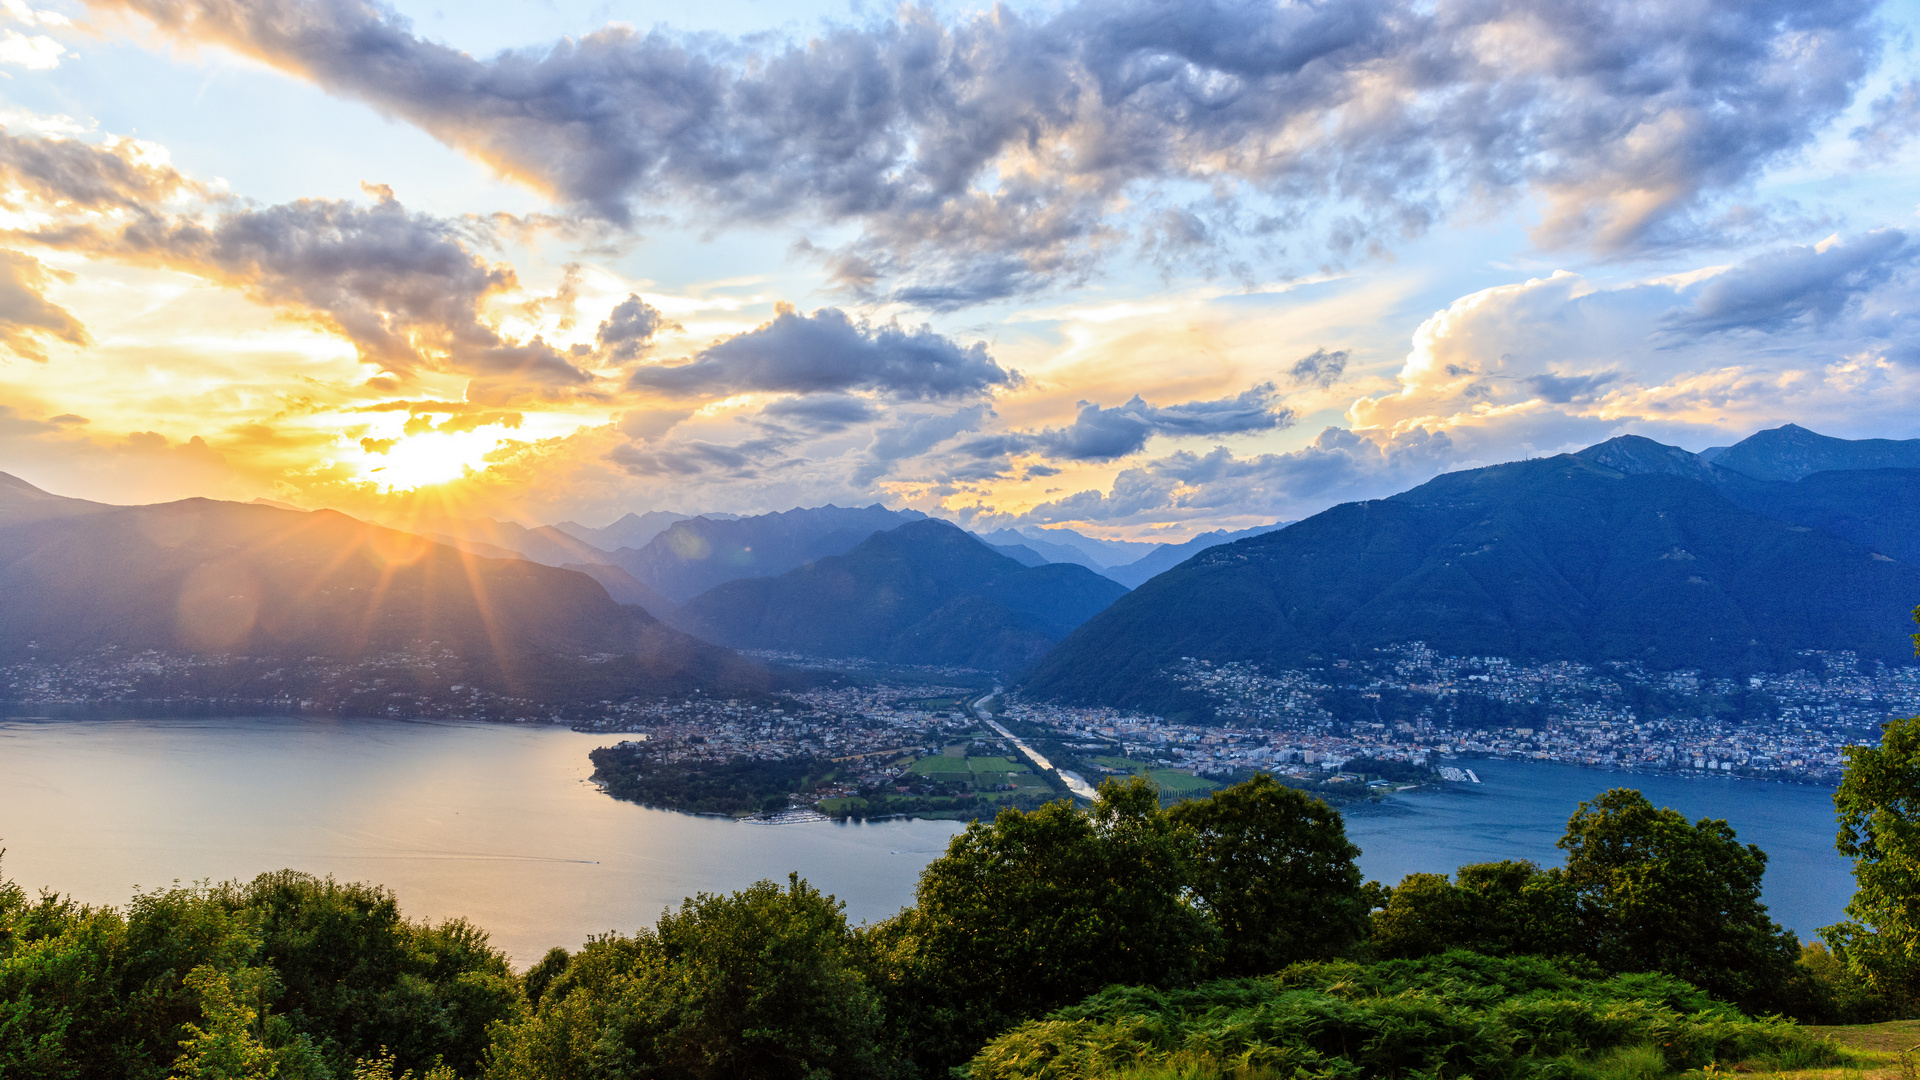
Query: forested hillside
point(1564, 558)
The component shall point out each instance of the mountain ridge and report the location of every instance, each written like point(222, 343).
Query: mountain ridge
point(926, 592)
point(1555, 558)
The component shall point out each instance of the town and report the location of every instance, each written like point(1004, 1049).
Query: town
point(1408, 705)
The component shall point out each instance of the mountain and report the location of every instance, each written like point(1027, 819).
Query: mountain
point(625, 588)
point(205, 577)
point(1103, 552)
point(633, 530)
point(543, 544)
point(1167, 556)
point(1007, 539)
point(1791, 452)
point(1555, 558)
point(923, 593)
point(692, 556)
point(1876, 507)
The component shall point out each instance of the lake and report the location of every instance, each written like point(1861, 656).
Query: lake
point(498, 823)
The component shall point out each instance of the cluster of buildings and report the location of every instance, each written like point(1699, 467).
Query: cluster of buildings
point(1414, 704)
point(1408, 704)
point(874, 732)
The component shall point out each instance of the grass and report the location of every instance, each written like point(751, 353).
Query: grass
point(996, 765)
point(1170, 781)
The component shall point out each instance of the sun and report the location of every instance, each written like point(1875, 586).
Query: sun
point(434, 457)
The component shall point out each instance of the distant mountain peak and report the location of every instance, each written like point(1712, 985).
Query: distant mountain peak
point(1637, 455)
point(1790, 452)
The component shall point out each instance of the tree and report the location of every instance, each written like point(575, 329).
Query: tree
point(363, 980)
point(1509, 908)
point(1036, 910)
point(1879, 810)
point(1274, 868)
point(1655, 892)
point(757, 985)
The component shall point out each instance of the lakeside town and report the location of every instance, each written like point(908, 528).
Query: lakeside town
point(1409, 705)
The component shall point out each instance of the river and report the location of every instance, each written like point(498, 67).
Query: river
point(499, 824)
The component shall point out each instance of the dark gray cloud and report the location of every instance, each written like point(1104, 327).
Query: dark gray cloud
point(1797, 285)
point(405, 288)
point(1003, 152)
point(821, 413)
point(1320, 368)
point(1098, 434)
point(629, 330)
point(913, 435)
point(28, 320)
point(694, 457)
point(1561, 389)
point(829, 351)
point(88, 177)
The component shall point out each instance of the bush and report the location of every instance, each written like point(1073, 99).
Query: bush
point(1457, 1014)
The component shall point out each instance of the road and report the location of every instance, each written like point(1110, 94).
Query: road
point(1074, 783)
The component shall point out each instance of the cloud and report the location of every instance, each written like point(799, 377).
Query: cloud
point(27, 319)
point(1320, 368)
point(1893, 122)
point(829, 351)
point(1799, 284)
point(692, 458)
point(121, 175)
point(913, 436)
point(1098, 434)
point(1821, 336)
point(629, 330)
point(36, 52)
point(999, 153)
point(822, 413)
point(404, 288)
point(1564, 389)
point(1216, 486)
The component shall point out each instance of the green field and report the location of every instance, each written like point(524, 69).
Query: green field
point(1171, 782)
point(984, 774)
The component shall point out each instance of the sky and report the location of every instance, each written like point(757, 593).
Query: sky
point(1142, 268)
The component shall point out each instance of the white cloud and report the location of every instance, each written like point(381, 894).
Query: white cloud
point(38, 52)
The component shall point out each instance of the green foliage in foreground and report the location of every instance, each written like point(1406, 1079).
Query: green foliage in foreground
point(287, 976)
point(1879, 806)
point(1457, 1014)
point(761, 984)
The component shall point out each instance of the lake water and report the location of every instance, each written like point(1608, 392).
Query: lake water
point(1520, 808)
point(498, 823)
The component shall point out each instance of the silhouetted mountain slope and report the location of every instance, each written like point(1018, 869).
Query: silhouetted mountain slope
point(923, 593)
point(633, 530)
point(693, 556)
point(21, 502)
point(1790, 452)
point(1044, 550)
point(1558, 558)
point(543, 544)
point(1167, 556)
point(214, 578)
point(1877, 508)
point(625, 588)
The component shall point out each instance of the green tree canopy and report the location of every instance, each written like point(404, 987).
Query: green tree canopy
point(1032, 911)
point(1656, 892)
point(1509, 908)
point(1274, 868)
point(757, 985)
point(1879, 809)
